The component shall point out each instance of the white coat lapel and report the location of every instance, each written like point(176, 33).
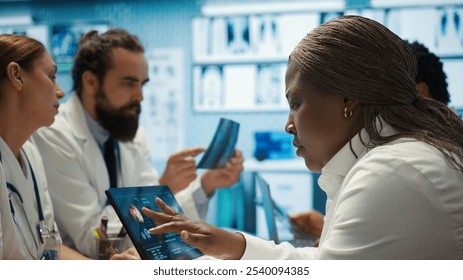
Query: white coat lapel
point(92, 156)
point(94, 162)
point(126, 153)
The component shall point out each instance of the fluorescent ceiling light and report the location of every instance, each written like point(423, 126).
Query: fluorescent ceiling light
point(267, 8)
point(16, 20)
point(412, 3)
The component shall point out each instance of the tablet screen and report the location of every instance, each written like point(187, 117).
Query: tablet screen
point(128, 203)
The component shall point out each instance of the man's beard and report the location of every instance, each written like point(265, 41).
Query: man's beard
point(120, 124)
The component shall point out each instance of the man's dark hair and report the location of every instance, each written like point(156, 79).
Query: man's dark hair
point(431, 72)
point(95, 53)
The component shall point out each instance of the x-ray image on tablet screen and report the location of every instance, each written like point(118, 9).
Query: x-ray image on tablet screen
point(128, 203)
point(222, 146)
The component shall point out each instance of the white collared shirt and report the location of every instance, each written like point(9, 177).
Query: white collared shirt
point(400, 200)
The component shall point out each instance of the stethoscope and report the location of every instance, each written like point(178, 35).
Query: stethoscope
point(42, 230)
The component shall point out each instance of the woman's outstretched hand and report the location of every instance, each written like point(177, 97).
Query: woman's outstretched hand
point(209, 239)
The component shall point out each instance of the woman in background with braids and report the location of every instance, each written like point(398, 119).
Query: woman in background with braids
point(391, 160)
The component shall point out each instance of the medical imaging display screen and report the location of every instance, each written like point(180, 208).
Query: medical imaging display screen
point(128, 203)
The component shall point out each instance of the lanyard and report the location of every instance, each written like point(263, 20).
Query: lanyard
point(40, 227)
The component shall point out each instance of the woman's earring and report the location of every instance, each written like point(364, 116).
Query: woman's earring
point(347, 113)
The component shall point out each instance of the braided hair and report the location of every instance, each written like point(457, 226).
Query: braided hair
point(361, 60)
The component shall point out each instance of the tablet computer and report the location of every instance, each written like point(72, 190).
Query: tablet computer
point(128, 202)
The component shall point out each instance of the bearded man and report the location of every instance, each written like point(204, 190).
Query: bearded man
point(96, 143)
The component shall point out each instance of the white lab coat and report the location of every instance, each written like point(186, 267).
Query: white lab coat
point(400, 200)
point(77, 176)
point(19, 238)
